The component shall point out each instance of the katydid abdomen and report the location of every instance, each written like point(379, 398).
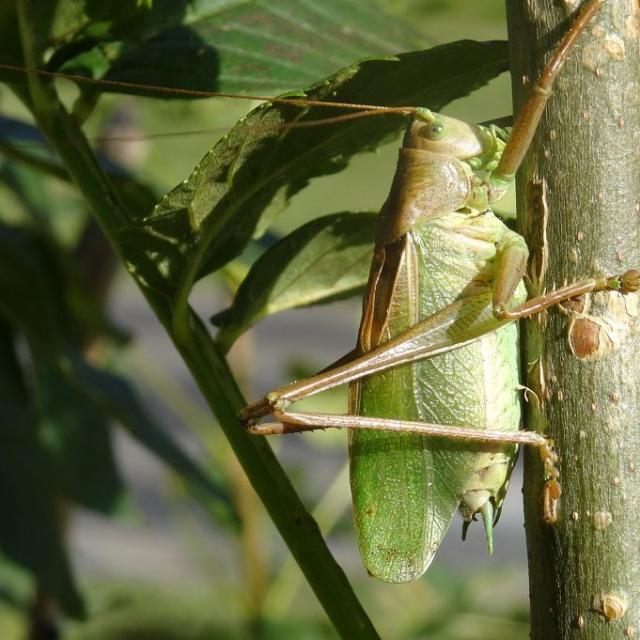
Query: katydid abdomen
point(407, 487)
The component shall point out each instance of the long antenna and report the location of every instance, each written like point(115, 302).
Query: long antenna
point(198, 93)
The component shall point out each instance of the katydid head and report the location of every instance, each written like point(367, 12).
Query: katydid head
point(441, 134)
point(478, 145)
point(474, 151)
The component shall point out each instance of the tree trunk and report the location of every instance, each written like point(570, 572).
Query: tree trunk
point(579, 201)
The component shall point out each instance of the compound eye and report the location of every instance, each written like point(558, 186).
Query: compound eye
point(435, 131)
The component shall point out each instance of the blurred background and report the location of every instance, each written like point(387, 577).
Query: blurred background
point(155, 563)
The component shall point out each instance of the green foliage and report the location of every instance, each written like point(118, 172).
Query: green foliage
point(157, 614)
point(250, 175)
point(116, 399)
point(58, 407)
point(326, 259)
point(76, 435)
point(267, 46)
point(207, 45)
point(26, 144)
point(31, 532)
point(59, 400)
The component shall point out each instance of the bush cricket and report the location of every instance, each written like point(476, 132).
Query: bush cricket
point(434, 407)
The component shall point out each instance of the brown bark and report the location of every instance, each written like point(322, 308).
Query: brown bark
point(579, 201)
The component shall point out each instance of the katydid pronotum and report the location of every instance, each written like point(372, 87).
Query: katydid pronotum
point(434, 406)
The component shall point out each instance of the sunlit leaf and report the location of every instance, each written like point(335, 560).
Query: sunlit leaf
point(250, 175)
point(245, 46)
point(324, 260)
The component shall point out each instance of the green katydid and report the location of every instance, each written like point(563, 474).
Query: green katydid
point(434, 407)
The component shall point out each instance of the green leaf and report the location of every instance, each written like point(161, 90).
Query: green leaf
point(67, 28)
point(249, 46)
point(40, 294)
point(77, 23)
point(30, 189)
point(77, 438)
point(324, 260)
point(43, 288)
point(31, 299)
point(11, 49)
point(30, 289)
point(31, 531)
point(25, 143)
point(116, 398)
point(250, 175)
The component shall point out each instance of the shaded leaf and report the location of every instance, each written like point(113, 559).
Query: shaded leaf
point(41, 295)
point(59, 23)
point(11, 49)
point(67, 287)
point(31, 298)
point(324, 260)
point(31, 531)
point(30, 189)
point(67, 28)
point(250, 175)
point(76, 436)
point(115, 397)
point(29, 289)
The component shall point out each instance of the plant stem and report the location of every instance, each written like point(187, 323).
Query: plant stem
point(579, 195)
point(207, 365)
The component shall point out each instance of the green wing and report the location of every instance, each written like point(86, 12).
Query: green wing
point(406, 487)
point(399, 515)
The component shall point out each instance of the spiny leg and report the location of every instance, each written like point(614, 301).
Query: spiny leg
point(435, 333)
point(628, 282)
point(529, 116)
point(290, 422)
point(454, 326)
point(431, 336)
